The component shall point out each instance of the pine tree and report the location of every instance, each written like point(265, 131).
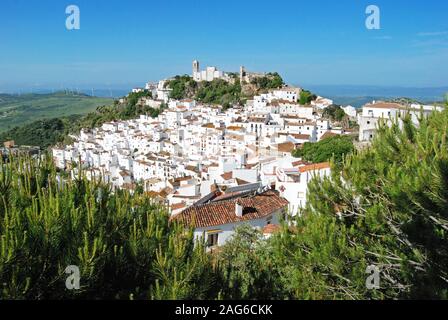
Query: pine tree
point(117, 240)
point(388, 207)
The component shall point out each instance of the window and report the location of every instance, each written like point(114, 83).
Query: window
point(212, 240)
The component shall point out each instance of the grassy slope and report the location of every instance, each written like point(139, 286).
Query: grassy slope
point(17, 111)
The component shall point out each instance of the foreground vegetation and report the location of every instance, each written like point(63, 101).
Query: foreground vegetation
point(123, 244)
point(385, 206)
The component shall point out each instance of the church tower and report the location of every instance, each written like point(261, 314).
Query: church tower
point(195, 67)
point(242, 74)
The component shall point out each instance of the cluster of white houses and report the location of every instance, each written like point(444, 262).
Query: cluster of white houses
point(372, 113)
point(216, 168)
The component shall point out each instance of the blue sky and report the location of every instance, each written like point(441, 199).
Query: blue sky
point(309, 42)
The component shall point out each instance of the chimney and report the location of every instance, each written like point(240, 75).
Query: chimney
point(9, 144)
point(238, 209)
point(214, 187)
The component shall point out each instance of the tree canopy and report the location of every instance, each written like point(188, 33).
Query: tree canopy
point(179, 86)
point(271, 80)
point(41, 133)
point(306, 97)
point(123, 243)
point(335, 148)
point(334, 113)
point(388, 206)
point(219, 92)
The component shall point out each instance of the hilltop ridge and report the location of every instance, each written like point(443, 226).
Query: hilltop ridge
point(220, 91)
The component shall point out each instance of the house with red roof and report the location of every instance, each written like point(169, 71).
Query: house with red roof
point(292, 183)
point(215, 217)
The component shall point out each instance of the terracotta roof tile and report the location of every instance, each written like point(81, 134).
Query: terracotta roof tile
point(176, 206)
point(286, 147)
point(299, 162)
point(241, 182)
point(316, 166)
point(301, 136)
point(385, 105)
point(271, 228)
point(227, 175)
point(328, 134)
point(223, 212)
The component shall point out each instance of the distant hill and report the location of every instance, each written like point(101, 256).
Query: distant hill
point(358, 102)
point(357, 96)
point(51, 131)
point(20, 110)
point(42, 133)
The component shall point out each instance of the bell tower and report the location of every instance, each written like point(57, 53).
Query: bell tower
point(195, 67)
point(242, 74)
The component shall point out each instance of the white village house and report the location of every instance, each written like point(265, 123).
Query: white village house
point(191, 150)
point(372, 113)
point(214, 220)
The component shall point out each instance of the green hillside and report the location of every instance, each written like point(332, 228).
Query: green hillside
point(52, 130)
point(222, 92)
point(20, 110)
